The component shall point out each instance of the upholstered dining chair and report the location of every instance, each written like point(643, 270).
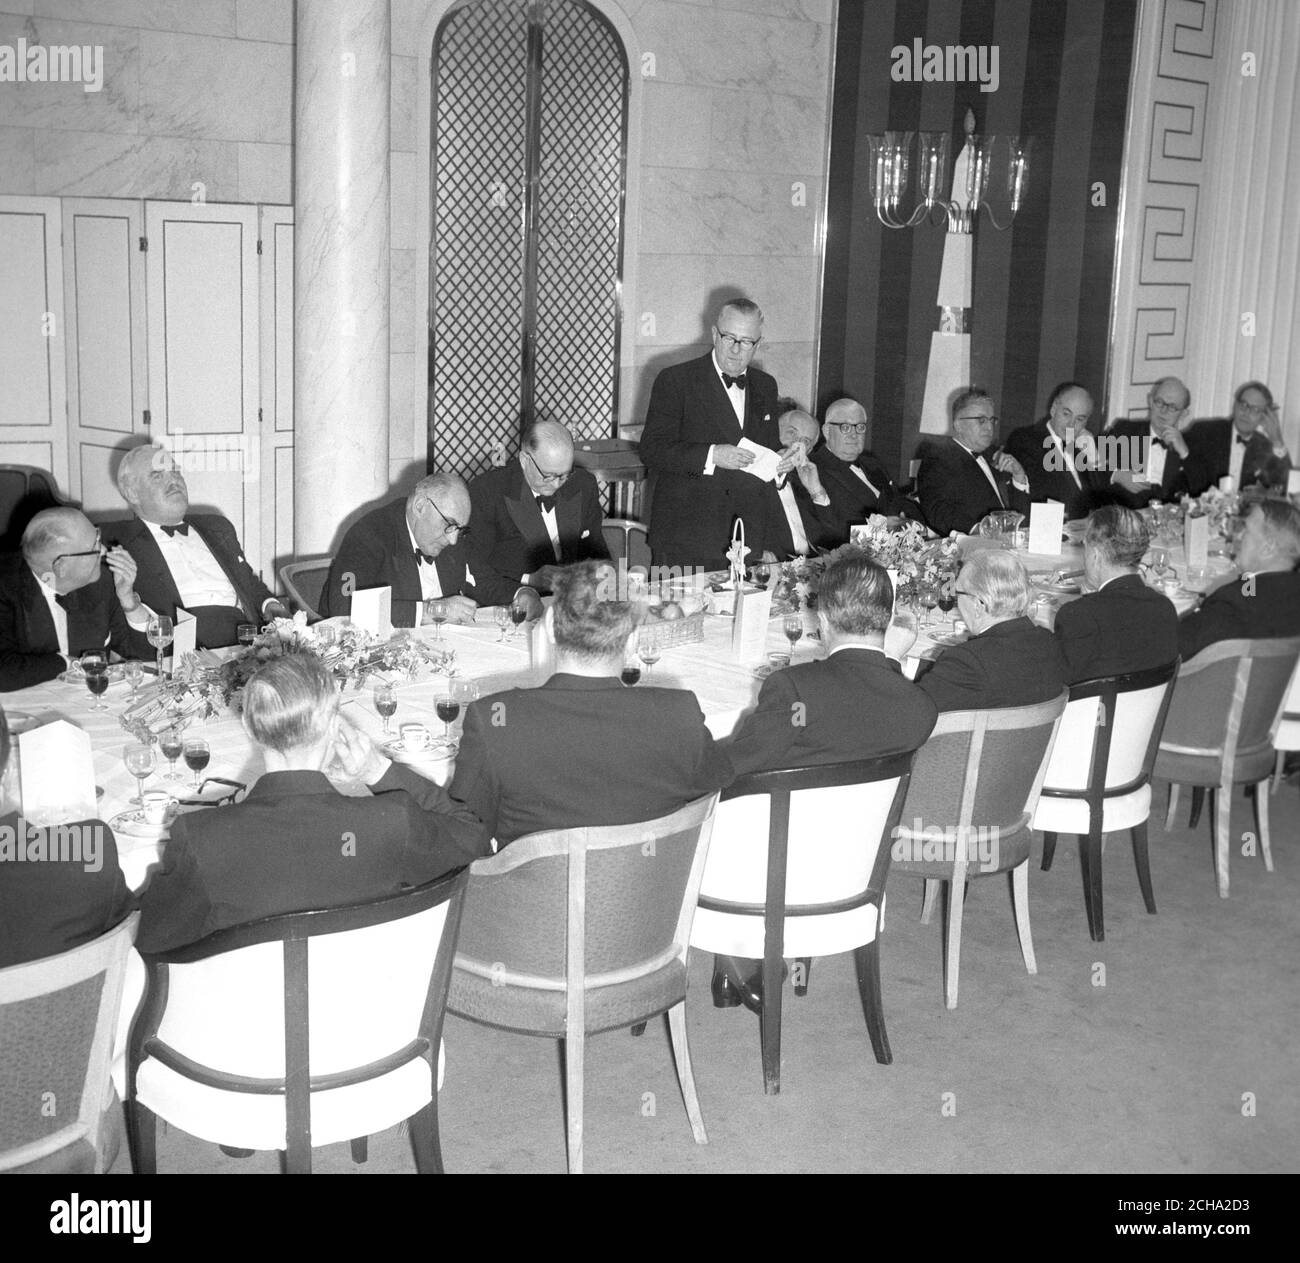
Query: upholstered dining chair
point(24, 491)
point(626, 541)
point(576, 931)
point(1287, 739)
point(1226, 707)
point(303, 581)
point(797, 867)
point(968, 814)
point(57, 1018)
point(1099, 775)
point(299, 1030)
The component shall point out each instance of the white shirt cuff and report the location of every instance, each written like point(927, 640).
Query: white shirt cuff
point(139, 617)
point(709, 466)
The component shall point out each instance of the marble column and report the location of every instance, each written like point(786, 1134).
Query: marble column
point(340, 264)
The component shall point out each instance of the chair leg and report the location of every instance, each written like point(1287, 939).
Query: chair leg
point(685, 1075)
point(1261, 823)
point(1279, 766)
point(1020, 901)
point(1143, 862)
point(1198, 798)
point(574, 1047)
point(802, 972)
point(1222, 839)
point(1049, 851)
point(769, 1025)
point(867, 960)
point(931, 894)
point(1172, 807)
point(142, 1138)
point(296, 1160)
point(425, 1143)
point(360, 1148)
point(953, 904)
point(1090, 867)
point(638, 1030)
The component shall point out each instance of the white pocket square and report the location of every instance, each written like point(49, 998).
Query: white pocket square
point(585, 534)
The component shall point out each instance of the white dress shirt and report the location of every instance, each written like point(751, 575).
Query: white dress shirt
point(430, 584)
point(1065, 456)
point(57, 613)
point(983, 462)
point(737, 397)
point(862, 477)
point(197, 574)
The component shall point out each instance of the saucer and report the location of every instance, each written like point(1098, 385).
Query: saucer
point(116, 673)
point(132, 824)
point(436, 751)
point(948, 639)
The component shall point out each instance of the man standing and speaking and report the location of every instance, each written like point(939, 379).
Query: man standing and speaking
point(699, 414)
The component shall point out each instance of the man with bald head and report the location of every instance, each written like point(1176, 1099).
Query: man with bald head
point(57, 600)
point(413, 546)
point(1151, 459)
point(533, 515)
point(1059, 453)
point(800, 516)
point(189, 561)
point(857, 483)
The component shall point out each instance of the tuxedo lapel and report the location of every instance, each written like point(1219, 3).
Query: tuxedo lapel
point(406, 570)
point(226, 562)
point(450, 564)
point(719, 402)
point(39, 632)
point(151, 561)
point(568, 517)
point(527, 517)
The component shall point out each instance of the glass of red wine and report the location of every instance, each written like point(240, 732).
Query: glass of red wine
point(458, 693)
point(518, 616)
point(170, 746)
point(631, 670)
point(197, 755)
point(385, 699)
point(94, 667)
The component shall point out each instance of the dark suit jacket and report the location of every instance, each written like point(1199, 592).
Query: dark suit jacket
point(819, 522)
point(1014, 663)
point(1212, 441)
point(691, 515)
point(583, 750)
point(856, 704)
point(1182, 477)
point(296, 844)
point(508, 538)
point(155, 586)
point(376, 552)
point(1126, 626)
point(1240, 610)
point(29, 646)
point(1033, 448)
point(954, 491)
point(852, 500)
point(52, 906)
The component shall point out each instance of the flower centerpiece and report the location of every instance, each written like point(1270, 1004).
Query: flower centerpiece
point(203, 685)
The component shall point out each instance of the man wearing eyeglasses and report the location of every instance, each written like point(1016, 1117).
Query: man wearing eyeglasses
point(413, 546)
point(1059, 454)
point(857, 483)
point(699, 414)
point(1152, 460)
point(532, 516)
point(188, 561)
point(1248, 446)
point(962, 479)
point(57, 600)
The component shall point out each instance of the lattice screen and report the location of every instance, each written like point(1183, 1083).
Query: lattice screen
point(482, 136)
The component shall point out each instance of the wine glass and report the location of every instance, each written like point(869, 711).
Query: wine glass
point(134, 673)
point(94, 668)
point(927, 592)
point(197, 755)
point(648, 651)
point(502, 616)
point(435, 611)
point(384, 696)
point(159, 634)
point(631, 670)
point(458, 694)
point(140, 761)
point(246, 633)
point(792, 625)
point(171, 744)
point(518, 615)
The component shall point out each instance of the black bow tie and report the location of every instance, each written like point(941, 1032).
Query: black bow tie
point(181, 528)
point(1243, 442)
point(61, 598)
point(424, 558)
point(545, 503)
point(742, 381)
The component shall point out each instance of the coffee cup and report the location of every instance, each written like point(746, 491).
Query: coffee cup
point(778, 660)
point(156, 806)
point(415, 737)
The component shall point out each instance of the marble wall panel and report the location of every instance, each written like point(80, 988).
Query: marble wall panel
point(17, 160)
point(92, 164)
point(218, 89)
point(406, 19)
point(406, 441)
point(402, 95)
point(198, 17)
point(270, 20)
point(403, 229)
point(265, 173)
point(68, 106)
point(404, 333)
point(676, 126)
point(767, 131)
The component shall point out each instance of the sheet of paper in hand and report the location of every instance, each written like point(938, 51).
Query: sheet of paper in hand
point(765, 461)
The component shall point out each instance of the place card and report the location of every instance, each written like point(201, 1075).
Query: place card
point(57, 774)
point(1227, 484)
point(749, 629)
point(185, 630)
point(1046, 522)
point(1293, 483)
point(372, 610)
point(1196, 540)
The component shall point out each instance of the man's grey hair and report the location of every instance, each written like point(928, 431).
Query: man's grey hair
point(129, 468)
point(1161, 381)
point(589, 622)
point(967, 396)
point(432, 484)
point(1118, 534)
point(48, 534)
point(1000, 580)
point(1282, 525)
point(856, 595)
point(746, 307)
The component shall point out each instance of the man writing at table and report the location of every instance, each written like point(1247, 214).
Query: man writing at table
point(413, 546)
point(189, 561)
point(582, 749)
point(57, 600)
point(532, 516)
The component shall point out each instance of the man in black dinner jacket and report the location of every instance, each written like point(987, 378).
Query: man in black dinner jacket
point(962, 479)
point(1121, 625)
point(1152, 460)
point(191, 561)
point(412, 546)
point(699, 412)
point(1008, 661)
point(57, 600)
point(582, 749)
point(533, 515)
point(1058, 454)
point(1247, 446)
